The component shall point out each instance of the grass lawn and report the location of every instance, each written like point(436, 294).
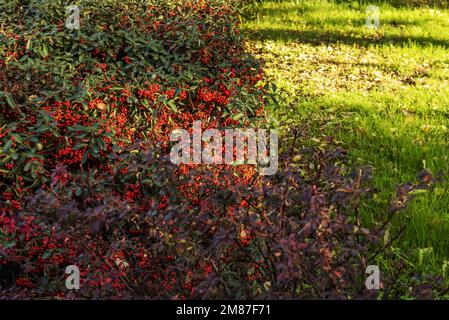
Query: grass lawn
point(383, 92)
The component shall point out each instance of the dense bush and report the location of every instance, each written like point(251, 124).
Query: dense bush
point(86, 180)
point(73, 104)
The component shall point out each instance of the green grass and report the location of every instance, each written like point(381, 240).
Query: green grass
point(384, 93)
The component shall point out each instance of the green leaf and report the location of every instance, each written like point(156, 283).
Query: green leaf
point(29, 44)
point(17, 138)
point(27, 166)
point(7, 146)
point(172, 105)
point(79, 146)
point(10, 100)
point(84, 159)
point(10, 245)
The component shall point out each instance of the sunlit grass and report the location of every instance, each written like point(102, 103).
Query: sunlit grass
point(386, 91)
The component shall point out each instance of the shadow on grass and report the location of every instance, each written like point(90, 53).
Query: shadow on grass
point(328, 37)
point(402, 3)
point(294, 13)
point(389, 22)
